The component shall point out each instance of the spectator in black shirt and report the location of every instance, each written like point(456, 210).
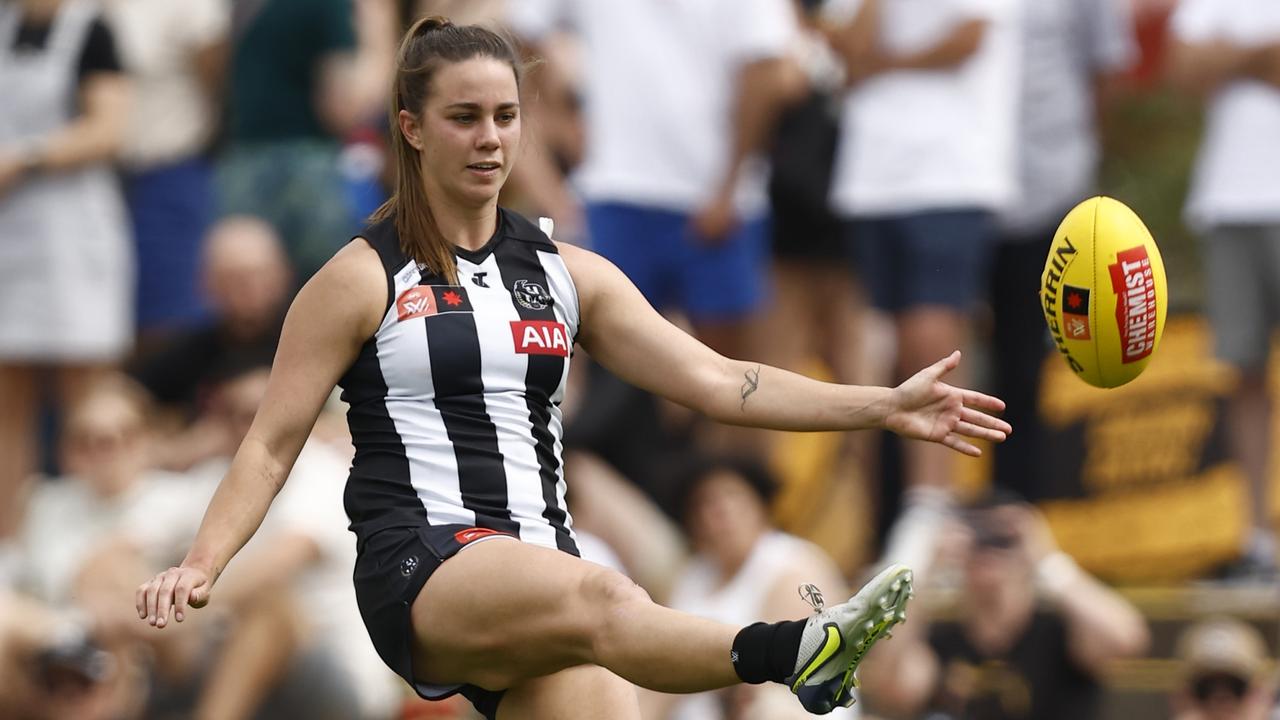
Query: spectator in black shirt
point(1006, 656)
point(246, 276)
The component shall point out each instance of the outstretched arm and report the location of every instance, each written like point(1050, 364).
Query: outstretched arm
point(623, 332)
point(331, 317)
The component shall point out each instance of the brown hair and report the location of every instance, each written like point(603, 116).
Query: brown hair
point(428, 44)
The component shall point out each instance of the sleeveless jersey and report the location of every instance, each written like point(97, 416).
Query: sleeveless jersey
point(454, 403)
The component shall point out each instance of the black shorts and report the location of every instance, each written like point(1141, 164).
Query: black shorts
point(392, 565)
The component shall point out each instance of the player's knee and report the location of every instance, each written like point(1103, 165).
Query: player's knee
point(608, 589)
point(613, 599)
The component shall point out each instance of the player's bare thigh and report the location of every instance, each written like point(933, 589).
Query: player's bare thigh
point(585, 692)
point(502, 612)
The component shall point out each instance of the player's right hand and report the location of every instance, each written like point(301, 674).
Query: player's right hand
point(169, 593)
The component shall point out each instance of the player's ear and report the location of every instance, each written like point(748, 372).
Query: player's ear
point(410, 128)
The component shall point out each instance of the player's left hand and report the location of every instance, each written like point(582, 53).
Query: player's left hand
point(925, 408)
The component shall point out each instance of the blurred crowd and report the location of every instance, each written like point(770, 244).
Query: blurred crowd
point(848, 188)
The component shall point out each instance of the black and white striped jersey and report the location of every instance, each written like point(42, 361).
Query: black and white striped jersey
point(455, 400)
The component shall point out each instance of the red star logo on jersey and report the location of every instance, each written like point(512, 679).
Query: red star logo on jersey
point(452, 298)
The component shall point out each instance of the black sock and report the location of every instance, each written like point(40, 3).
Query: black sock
point(767, 651)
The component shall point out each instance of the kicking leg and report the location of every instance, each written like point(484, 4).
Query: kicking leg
point(502, 612)
point(586, 692)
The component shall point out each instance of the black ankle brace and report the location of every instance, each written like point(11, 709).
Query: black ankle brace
point(767, 651)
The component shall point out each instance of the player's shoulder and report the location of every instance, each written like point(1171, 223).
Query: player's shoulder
point(351, 290)
point(520, 228)
point(591, 273)
point(581, 263)
point(357, 263)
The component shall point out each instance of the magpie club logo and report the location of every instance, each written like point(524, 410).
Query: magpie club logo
point(530, 295)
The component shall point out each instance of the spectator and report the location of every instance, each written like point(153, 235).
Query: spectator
point(107, 486)
point(1224, 673)
point(679, 100)
point(641, 436)
point(85, 534)
point(1229, 51)
point(1072, 54)
point(49, 670)
point(744, 569)
point(741, 567)
point(925, 159)
point(1005, 658)
point(65, 266)
point(304, 73)
point(816, 313)
point(246, 279)
point(176, 53)
point(306, 550)
point(69, 543)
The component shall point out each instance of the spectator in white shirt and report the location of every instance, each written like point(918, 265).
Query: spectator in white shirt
point(926, 159)
point(679, 100)
point(1073, 52)
point(176, 54)
point(1229, 52)
point(282, 649)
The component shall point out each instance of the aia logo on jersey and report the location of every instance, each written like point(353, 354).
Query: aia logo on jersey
point(530, 295)
point(422, 300)
point(540, 337)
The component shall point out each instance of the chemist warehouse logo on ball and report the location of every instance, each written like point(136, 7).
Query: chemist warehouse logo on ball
point(1135, 290)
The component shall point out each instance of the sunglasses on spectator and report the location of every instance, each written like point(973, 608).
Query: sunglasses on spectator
point(91, 439)
point(1209, 686)
point(985, 539)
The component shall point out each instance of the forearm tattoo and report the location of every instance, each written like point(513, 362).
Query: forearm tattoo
point(751, 385)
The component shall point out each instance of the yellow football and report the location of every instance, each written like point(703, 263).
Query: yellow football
point(1103, 292)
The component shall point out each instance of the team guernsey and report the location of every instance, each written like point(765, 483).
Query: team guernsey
point(454, 403)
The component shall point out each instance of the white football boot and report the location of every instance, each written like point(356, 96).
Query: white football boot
point(836, 639)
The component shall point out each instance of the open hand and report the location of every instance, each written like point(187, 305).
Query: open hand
point(169, 593)
point(925, 408)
